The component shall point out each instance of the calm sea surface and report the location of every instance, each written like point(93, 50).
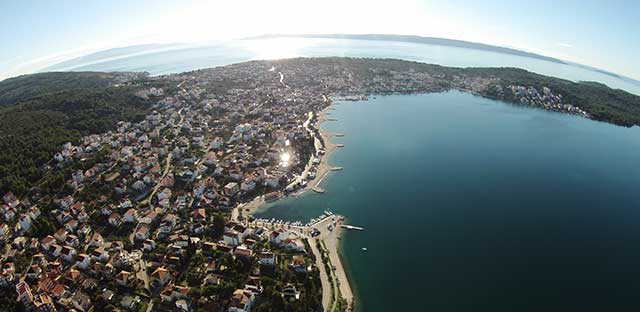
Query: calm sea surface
point(469, 204)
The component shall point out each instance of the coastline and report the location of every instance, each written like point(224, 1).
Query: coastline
point(330, 240)
point(323, 169)
point(329, 147)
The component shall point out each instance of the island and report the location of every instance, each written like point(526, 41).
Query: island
point(125, 191)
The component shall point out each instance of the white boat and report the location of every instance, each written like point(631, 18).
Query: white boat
point(364, 248)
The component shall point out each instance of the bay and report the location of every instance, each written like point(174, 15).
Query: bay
point(469, 204)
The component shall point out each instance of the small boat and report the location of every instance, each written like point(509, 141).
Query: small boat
point(364, 248)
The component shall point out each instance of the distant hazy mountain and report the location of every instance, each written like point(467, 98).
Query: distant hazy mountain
point(123, 52)
point(425, 40)
point(109, 54)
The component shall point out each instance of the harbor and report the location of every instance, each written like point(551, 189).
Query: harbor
point(323, 234)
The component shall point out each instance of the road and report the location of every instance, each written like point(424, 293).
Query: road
point(331, 240)
point(303, 176)
point(282, 80)
point(167, 166)
point(327, 299)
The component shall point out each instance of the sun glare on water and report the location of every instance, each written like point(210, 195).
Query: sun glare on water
point(269, 49)
point(284, 159)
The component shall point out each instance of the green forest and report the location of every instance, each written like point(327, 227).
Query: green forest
point(34, 128)
point(603, 103)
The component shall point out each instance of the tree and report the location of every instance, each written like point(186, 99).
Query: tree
point(218, 225)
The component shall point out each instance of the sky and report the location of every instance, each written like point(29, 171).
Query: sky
point(36, 34)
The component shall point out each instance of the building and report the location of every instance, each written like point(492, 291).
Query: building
point(231, 189)
point(242, 301)
point(267, 258)
point(24, 295)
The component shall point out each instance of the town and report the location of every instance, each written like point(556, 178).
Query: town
point(152, 215)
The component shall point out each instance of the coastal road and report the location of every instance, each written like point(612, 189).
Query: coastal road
point(332, 243)
point(327, 299)
point(303, 176)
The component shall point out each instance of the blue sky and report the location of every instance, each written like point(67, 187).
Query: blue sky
point(604, 34)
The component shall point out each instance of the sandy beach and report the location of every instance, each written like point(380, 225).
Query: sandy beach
point(324, 167)
point(337, 277)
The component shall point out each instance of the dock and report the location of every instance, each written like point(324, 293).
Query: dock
point(351, 227)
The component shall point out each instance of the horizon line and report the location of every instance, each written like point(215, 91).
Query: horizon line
point(369, 36)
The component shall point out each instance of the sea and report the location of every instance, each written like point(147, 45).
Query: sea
point(467, 204)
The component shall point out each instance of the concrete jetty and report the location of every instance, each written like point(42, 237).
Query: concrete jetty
point(351, 227)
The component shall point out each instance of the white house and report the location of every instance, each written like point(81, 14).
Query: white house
point(231, 189)
point(25, 222)
point(148, 245)
point(231, 238)
point(278, 236)
point(142, 233)
point(272, 181)
point(216, 143)
point(83, 261)
point(248, 185)
point(78, 176)
point(267, 258)
point(130, 216)
point(68, 253)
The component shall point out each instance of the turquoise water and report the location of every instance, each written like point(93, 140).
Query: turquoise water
point(470, 204)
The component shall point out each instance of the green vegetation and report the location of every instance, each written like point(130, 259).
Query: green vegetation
point(43, 111)
point(14, 90)
point(32, 130)
point(603, 103)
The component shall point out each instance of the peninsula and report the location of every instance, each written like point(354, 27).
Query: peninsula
point(124, 190)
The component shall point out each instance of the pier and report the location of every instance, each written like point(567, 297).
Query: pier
point(351, 227)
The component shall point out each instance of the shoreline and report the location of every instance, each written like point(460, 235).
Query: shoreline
point(322, 171)
point(330, 239)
